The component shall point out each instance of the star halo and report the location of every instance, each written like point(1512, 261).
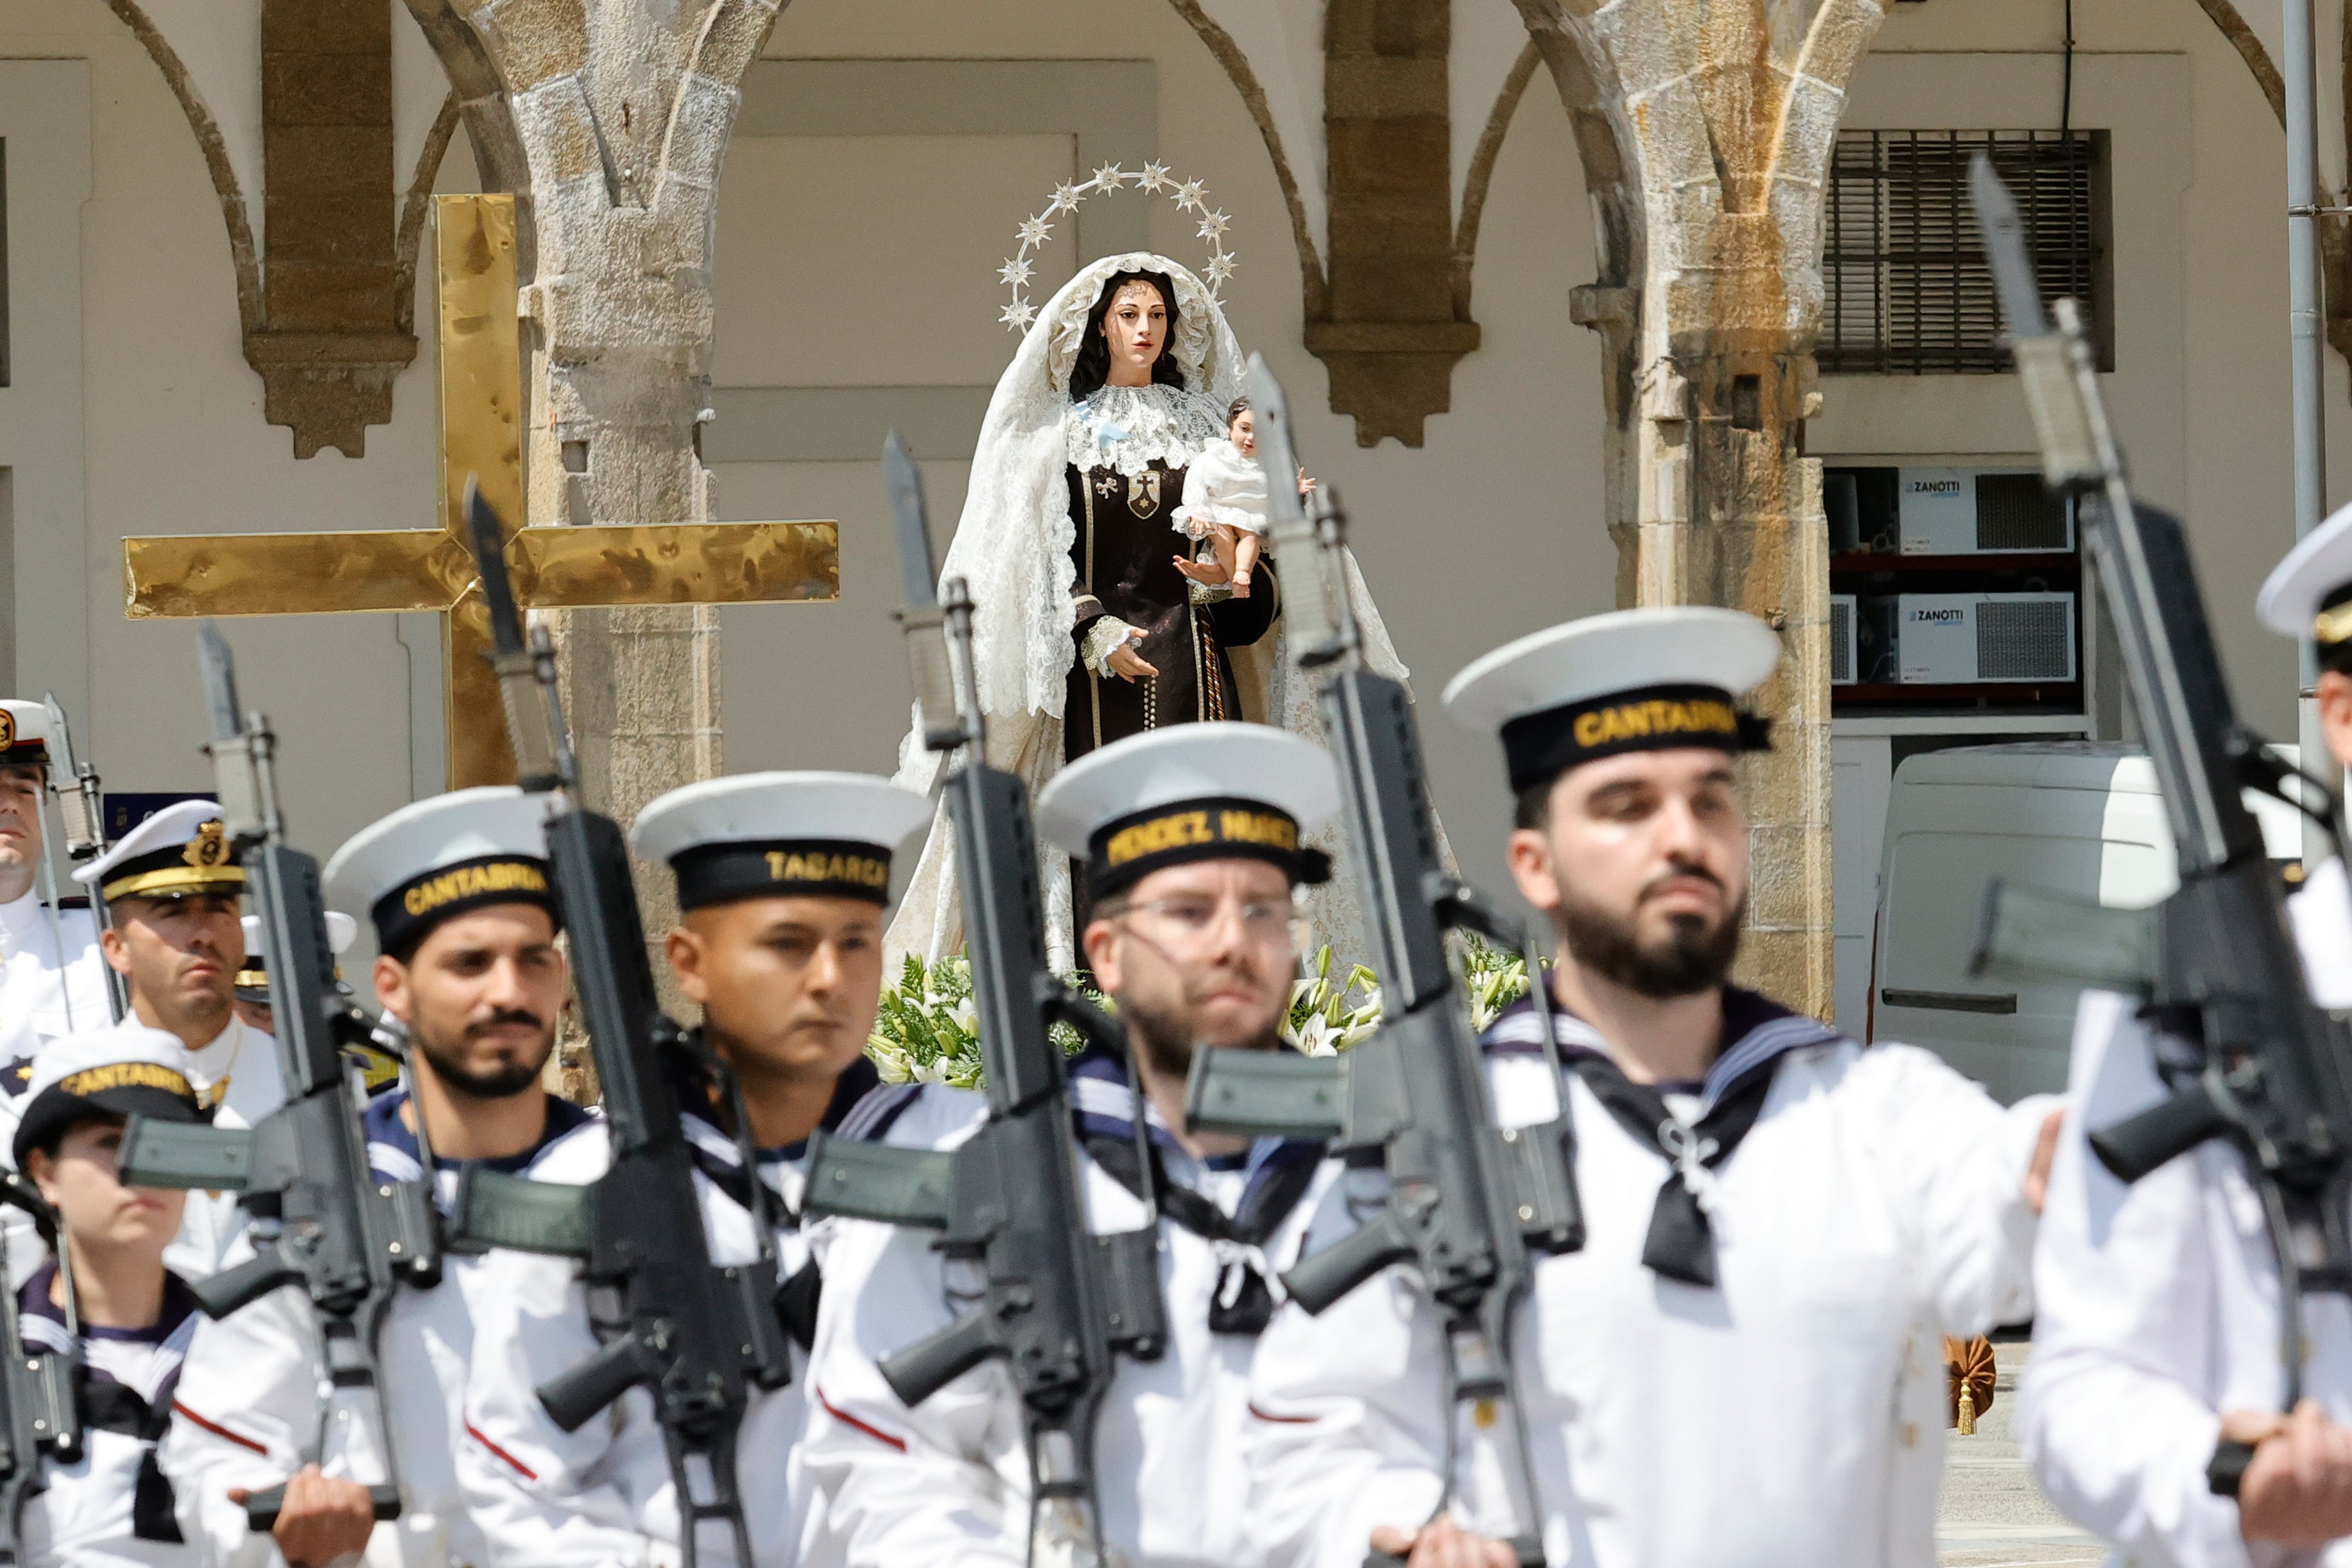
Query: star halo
point(1153, 179)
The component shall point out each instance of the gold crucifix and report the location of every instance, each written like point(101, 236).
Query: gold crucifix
point(555, 567)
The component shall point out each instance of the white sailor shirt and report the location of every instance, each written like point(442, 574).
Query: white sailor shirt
point(248, 1415)
point(601, 1497)
point(2159, 1301)
point(947, 1482)
point(1792, 1413)
point(52, 984)
point(112, 1508)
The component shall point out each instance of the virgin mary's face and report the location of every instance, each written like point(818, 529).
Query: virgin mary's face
point(1137, 327)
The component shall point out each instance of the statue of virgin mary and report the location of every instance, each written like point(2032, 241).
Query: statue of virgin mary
point(1085, 627)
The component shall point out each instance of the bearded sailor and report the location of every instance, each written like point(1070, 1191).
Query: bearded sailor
point(1742, 1366)
point(172, 886)
point(784, 885)
point(2158, 1330)
point(457, 889)
point(1190, 840)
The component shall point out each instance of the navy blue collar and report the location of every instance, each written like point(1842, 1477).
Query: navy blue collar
point(179, 1301)
point(1756, 1030)
point(392, 1154)
point(1103, 1106)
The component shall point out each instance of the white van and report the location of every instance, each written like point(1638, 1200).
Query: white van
point(2077, 817)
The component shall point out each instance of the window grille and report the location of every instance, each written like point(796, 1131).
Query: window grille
point(1908, 291)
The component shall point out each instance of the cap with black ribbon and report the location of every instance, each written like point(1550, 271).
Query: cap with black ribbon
point(2309, 593)
point(442, 857)
point(1217, 790)
point(121, 1072)
point(181, 851)
point(1631, 680)
point(253, 974)
point(782, 835)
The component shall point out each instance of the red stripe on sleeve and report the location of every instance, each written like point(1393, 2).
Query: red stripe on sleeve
point(525, 1471)
point(1281, 1420)
point(898, 1445)
point(217, 1430)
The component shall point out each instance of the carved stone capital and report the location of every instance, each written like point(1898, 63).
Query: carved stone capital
point(329, 388)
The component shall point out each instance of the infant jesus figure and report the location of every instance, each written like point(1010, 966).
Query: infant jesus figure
point(1224, 505)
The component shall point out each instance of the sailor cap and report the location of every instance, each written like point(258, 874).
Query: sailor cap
point(1631, 680)
point(121, 1072)
point(253, 977)
point(179, 852)
point(782, 835)
point(445, 856)
point(24, 733)
point(1189, 792)
point(2309, 594)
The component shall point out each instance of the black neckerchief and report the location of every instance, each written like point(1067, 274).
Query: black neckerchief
point(1756, 1034)
point(1243, 1302)
point(797, 1297)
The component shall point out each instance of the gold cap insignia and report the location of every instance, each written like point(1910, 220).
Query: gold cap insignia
point(2333, 625)
point(7, 727)
point(209, 847)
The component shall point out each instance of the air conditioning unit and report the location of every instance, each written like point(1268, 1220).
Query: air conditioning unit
point(1962, 639)
point(1844, 611)
point(1980, 511)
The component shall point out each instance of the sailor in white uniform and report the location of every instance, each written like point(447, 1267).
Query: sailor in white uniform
point(107, 1296)
point(172, 886)
point(457, 888)
point(2157, 1332)
point(784, 882)
point(1743, 1365)
point(1190, 839)
point(52, 975)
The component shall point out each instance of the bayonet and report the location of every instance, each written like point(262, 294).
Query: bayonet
point(525, 670)
point(81, 812)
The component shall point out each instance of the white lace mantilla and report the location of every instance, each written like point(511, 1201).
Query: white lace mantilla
point(1127, 429)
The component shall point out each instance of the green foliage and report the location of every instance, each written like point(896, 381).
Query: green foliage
point(927, 1030)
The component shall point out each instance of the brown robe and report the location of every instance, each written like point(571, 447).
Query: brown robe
point(1126, 552)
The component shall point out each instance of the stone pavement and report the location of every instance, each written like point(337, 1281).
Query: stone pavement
point(1992, 1515)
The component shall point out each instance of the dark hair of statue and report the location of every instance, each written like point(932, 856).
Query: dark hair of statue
point(1091, 371)
point(1241, 405)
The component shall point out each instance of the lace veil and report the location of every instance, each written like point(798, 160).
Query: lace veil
point(1012, 546)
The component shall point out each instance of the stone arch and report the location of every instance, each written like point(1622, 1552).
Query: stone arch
point(1313, 284)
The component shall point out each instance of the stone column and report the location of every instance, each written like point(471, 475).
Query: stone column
point(611, 118)
point(1707, 129)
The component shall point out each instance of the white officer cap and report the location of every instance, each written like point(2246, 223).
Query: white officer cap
point(1631, 680)
point(782, 835)
point(179, 852)
point(442, 857)
point(2309, 594)
point(107, 1072)
point(24, 733)
point(252, 978)
point(1192, 792)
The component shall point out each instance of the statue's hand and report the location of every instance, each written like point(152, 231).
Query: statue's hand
point(1126, 663)
point(1207, 573)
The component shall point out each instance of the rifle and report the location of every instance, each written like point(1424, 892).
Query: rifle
point(81, 808)
point(698, 1336)
point(322, 1220)
point(2273, 1073)
point(1060, 1301)
point(40, 1405)
point(1467, 1201)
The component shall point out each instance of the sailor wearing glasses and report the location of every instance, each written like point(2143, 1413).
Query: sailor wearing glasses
point(1191, 842)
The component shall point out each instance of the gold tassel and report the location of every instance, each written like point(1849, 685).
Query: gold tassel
point(1968, 1412)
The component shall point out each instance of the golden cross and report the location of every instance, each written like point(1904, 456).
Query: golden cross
point(554, 565)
